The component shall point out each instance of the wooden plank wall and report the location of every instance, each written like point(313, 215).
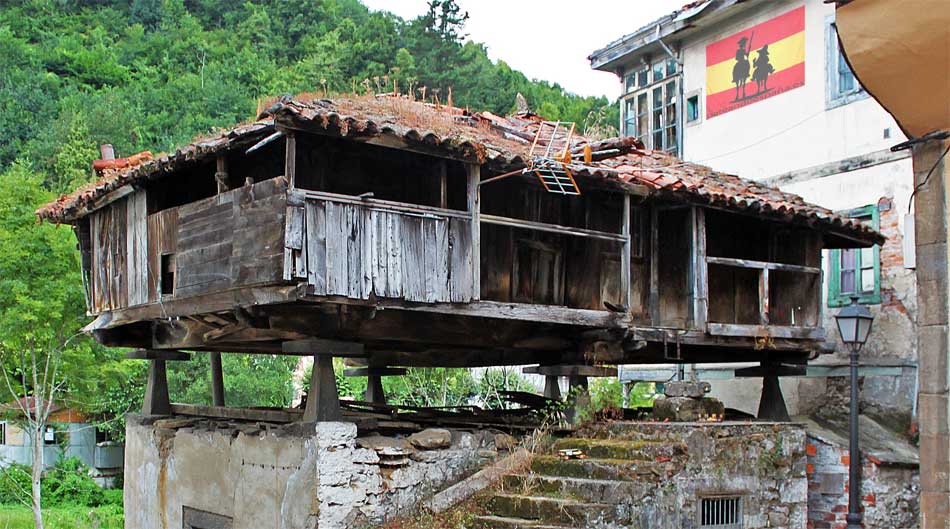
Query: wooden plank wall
point(137, 248)
point(358, 251)
point(232, 239)
point(162, 240)
point(109, 256)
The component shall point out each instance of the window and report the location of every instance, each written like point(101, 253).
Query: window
point(49, 437)
point(856, 272)
point(692, 108)
point(3, 433)
point(650, 115)
point(842, 86)
point(168, 274)
point(721, 513)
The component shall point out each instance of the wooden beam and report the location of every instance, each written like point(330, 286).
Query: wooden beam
point(764, 296)
point(772, 331)
point(156, 400)
point(157, 354)
point(375, 371)
point(571, 371)
point(290, 160)
point(762, 265)
point(473, 193)
point(247, 414)
point(221, 173)
point(217, 379)
point(298, 197)
point(220, 301)
point(517, 311)
point(321, 347)
point(552, 228)
point(626, 256)
point(443, 184)
point(654, 266)
point(701, 273)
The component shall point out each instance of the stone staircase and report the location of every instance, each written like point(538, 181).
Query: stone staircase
point(594, 492)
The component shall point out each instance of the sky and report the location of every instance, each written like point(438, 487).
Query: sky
point(549, 39)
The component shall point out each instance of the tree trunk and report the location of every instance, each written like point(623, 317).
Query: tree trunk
point(37, 474)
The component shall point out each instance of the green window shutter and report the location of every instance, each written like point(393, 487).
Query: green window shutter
point(872, 297)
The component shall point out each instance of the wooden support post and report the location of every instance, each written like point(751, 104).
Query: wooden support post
point(580, 397)
point(443, 184)
point(323, 401)
point(764, 296)
point(290, 160)
point(473, 192)
point(654, 266)
point(156, 400)
point(551, 388)
point(374, 380)
point(700, 269)
point(217, 379)
point(221, 173)
point(625, 255)
point(772, 404)
point(374, 390)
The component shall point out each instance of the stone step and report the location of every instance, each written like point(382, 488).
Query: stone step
point(582, 489)
point(602, 469)
point(639, 450)
point(502, 522)
point(557, 511)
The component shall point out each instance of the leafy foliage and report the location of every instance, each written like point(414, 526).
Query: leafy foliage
point(66, 483)
point(249, 380)
point(152, 74)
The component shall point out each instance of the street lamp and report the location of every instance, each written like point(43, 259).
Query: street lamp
point(854, 326)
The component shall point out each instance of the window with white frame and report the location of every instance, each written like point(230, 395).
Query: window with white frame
point(649, 106)
point(842, 85)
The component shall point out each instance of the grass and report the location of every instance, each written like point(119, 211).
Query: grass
point(72, 517)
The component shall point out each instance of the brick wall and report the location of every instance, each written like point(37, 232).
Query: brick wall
point(889, 493)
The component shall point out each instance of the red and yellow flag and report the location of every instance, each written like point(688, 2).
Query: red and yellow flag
point(757, 63)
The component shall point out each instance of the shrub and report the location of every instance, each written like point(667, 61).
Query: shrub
point(14, 484)
point(69, 482)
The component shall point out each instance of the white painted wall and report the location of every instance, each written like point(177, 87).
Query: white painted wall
point(790, 131)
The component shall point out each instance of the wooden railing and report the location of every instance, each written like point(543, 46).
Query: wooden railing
point(764, 326)
point(348, 246)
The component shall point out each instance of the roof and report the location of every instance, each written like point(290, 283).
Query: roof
point(501, 143)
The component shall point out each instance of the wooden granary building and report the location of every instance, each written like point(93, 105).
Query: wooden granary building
point(406, 234)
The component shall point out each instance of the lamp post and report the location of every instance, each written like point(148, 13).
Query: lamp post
point(854, 326)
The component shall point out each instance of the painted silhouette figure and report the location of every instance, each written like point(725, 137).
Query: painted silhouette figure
point(740, 72)
point(763, 68)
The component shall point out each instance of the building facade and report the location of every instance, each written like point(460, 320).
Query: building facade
point(761, 89)
point(807, 127)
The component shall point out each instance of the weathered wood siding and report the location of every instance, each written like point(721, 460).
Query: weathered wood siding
point(109, 273)
point(231, 239)
point(354, 250)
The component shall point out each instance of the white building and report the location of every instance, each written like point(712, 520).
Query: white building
point(806, 126)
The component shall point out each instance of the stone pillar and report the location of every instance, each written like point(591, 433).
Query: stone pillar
point(933, 287)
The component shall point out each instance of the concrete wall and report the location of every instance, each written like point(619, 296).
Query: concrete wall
point(283, 477)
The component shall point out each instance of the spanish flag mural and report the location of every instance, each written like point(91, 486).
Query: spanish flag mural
point(755, 64)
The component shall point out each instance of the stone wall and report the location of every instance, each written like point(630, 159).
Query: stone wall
point(889, 492)
point(256, 475)
point(763, 463)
